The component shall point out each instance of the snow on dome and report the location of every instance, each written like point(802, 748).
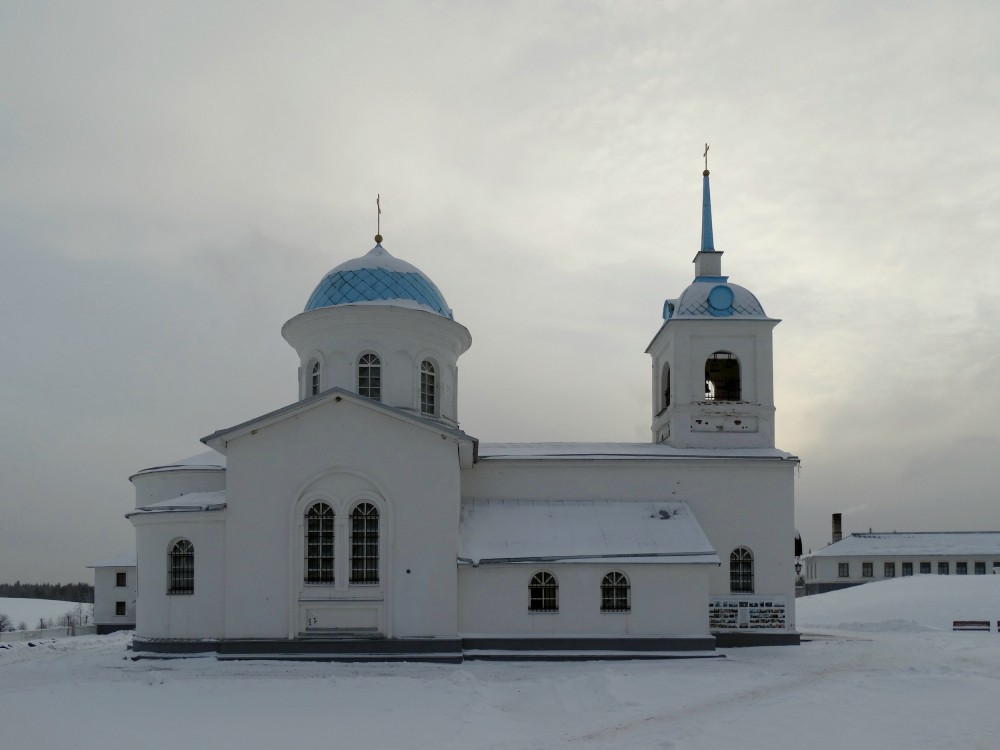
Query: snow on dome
point(207, 460)
point(378, 278)
point(714, 299)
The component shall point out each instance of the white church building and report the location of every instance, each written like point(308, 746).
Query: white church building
point(362, 523)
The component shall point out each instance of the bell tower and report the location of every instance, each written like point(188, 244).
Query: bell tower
point(712, 369)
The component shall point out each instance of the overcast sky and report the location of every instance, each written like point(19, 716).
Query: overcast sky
point(175, 178)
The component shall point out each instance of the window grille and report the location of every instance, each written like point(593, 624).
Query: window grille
point(120, 609)
point(427, 388)
point(181, 568)
point(544, 593)
point(980, 568)
point(907, 569)
point(890, 570)
point(615, 592)
point(844, 570)
point(364, 544)
point(319, 544)
point(961, 568)
point(722, 377)
point(314, 379)
point(867, 570)
point(370, 376)
point(741, 571)
point(942, 568)
point(120, 578)
point(925, 568)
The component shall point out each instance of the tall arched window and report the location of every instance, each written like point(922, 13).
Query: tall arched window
point(544, 593)
point(319, 544)
point(370, 376)
point(180, 568)
point(314, 379)
point(665, 386)
point(722, 377)
point(428, 389)
point(741, 571)
point(364, 543)
point(615, 593)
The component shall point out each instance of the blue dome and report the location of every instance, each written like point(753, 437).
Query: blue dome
point(378, 278)
point(714, 299)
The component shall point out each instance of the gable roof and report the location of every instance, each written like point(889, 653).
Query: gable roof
point(915, 543)
point(619, 451)
point(219, 439)
point(622, 531)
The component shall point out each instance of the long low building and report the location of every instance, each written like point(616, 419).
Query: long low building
point(874, 556)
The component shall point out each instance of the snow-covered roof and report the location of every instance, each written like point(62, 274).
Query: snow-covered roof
point(508, 531)
point(126, 560)
point(221, 437)
point(715, 298)
point(915, 543)
point(192, 502)
point(206, 460)
point(618, 451)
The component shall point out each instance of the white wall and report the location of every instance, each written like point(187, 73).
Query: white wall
point(107, 593)
point(197, 615)
point(738, 502)
point(342, 452)
point(337, 336)
point(666, 599)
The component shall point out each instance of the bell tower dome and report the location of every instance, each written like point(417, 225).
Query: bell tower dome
point(713, 376)
point(380, 327)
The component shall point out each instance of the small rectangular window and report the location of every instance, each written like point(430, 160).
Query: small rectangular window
point(925, 568)
point(942, 568)
point(867, 570)
point(980, 568)
point(120, 577)
point(120, 610)
point(961, 568)
point(844, 570)
point(890, 570)
point(908, 569)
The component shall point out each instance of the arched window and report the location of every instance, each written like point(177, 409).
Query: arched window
point(180, 570)
point(615, 593)
point(544, 592)
point(314, 379)
point(722, 377)
point(741, 571)
point(428, 389)
point(370, 376)
point(319, 544)
point(665, 386)
point(364, 543)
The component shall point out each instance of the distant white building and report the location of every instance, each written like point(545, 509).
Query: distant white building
point(361, 522)
point(873, 556)
point(115, 593)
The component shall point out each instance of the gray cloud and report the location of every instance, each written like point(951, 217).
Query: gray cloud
point(174, 180)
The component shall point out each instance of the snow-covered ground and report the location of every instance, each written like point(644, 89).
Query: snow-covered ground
point(894, 677)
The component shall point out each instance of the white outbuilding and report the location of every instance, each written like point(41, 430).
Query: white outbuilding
point(361, 522)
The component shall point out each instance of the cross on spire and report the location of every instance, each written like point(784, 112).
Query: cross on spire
point(378, 218)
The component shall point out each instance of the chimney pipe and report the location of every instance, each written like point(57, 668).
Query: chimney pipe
point(837, 531)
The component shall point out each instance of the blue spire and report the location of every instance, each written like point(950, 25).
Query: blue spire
point(707, 241)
